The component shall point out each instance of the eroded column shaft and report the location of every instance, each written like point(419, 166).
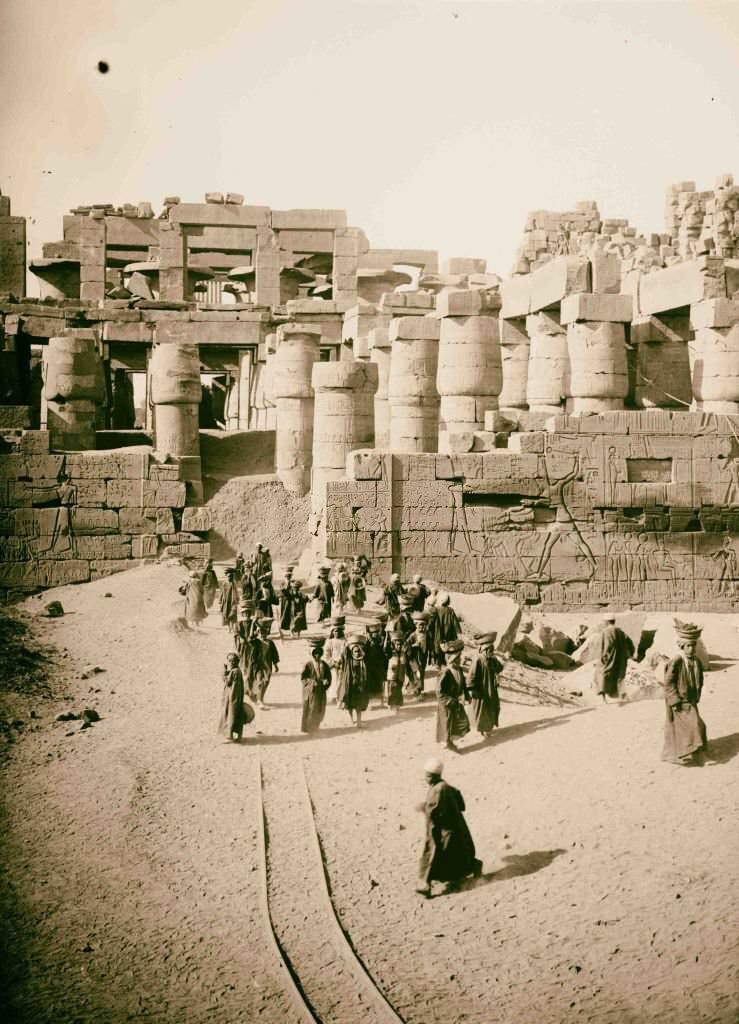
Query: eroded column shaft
point(298, 349)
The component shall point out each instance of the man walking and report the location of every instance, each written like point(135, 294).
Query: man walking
point(449, 851)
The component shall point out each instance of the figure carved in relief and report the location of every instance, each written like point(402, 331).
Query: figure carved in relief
point(731, 468)
point(611, 475)
point(729, 567)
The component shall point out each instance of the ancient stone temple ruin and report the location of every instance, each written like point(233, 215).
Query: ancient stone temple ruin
point(567, 435)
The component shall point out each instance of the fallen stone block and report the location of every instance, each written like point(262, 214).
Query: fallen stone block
point(486, 613)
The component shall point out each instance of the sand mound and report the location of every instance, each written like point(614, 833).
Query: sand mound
point(250, 509)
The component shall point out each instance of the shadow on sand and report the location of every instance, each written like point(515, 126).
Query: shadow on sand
point(423, 710)
point(723, 749)
point(516, 866)
point(514, 732)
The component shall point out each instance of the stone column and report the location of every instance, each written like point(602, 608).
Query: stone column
point(412, 394)
point(12, 251)
point(714, 355)
point(596, 342)
point(514, 354)
point(175, 394)
point(661, 362)
point(469, 375)
point(549, 363)
point(380, 351)
point(298, 349)
point(74, 390)
point(267, 268)
point(173, 281)
point(349, 244)
point(92, 257)
point(343, 420)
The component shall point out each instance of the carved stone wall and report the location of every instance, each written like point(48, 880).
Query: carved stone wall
point(639, 509)
point(74, 517)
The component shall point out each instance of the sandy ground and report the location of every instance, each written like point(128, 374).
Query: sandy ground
point(130, 882)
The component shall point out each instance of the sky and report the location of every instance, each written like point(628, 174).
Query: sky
point(435, 124)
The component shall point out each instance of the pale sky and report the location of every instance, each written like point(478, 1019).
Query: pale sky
point(435, 124)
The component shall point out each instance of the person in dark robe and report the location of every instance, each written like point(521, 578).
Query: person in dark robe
point(391, 596)
point(316, 679)
point(194, 604)
point(404, 621)
point(235, 711)
point(284, 598)
point(352, 693)
point(419, 592)
point(265, 598)
point(482, 686)
point(210, 584)
point(122, 413)
point(239, 566)
point(262, 560)
point(229, 599)
point(266, 660)
point(244, 637)
point(298, 601)
point(396, 672)
point(448, 628)
point(361, 564)
point(357, 589)
point(376, 659)
point(324, 594)
point(416, 648)
point(449, 853)
point(249, 583)
point(451, 717)
point(610, 666)
point(685, 731)
point(341, 582)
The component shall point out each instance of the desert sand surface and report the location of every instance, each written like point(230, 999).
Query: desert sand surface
point(131, 871)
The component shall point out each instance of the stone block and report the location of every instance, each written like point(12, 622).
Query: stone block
point(92, 521)
point(140, 521)
point(367, 464)
point(527, 442)
point(605, 272)
point(39, 492)
point(36, 522)
point(413, 328)
point(60, 573)
point(422, 467)
point(112, 546)
point(101, 568)
point(108, 465)
point(14, 417)
point(682, 285)
point(198, 520)
point(34, 442)
point(459, 302)
point(551, 283)
point(409, 543)
point(516, 296)
point(714, 313)
point(586, 306)
point(144, 546)
point(191, 550)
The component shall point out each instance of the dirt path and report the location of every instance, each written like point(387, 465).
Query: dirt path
point(130, 881)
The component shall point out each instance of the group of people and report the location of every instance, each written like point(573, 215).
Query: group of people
point(387, 657)
point(384, 657)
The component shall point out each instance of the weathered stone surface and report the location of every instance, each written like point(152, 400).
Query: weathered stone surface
point(489, 613)
point(682, 285)
point(550, 284)
point(93, 521)
point(586, 306)
point(197, 520)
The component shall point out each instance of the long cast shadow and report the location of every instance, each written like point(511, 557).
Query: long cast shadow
point(723, 749)
point(517, 865)
point(514, 732)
